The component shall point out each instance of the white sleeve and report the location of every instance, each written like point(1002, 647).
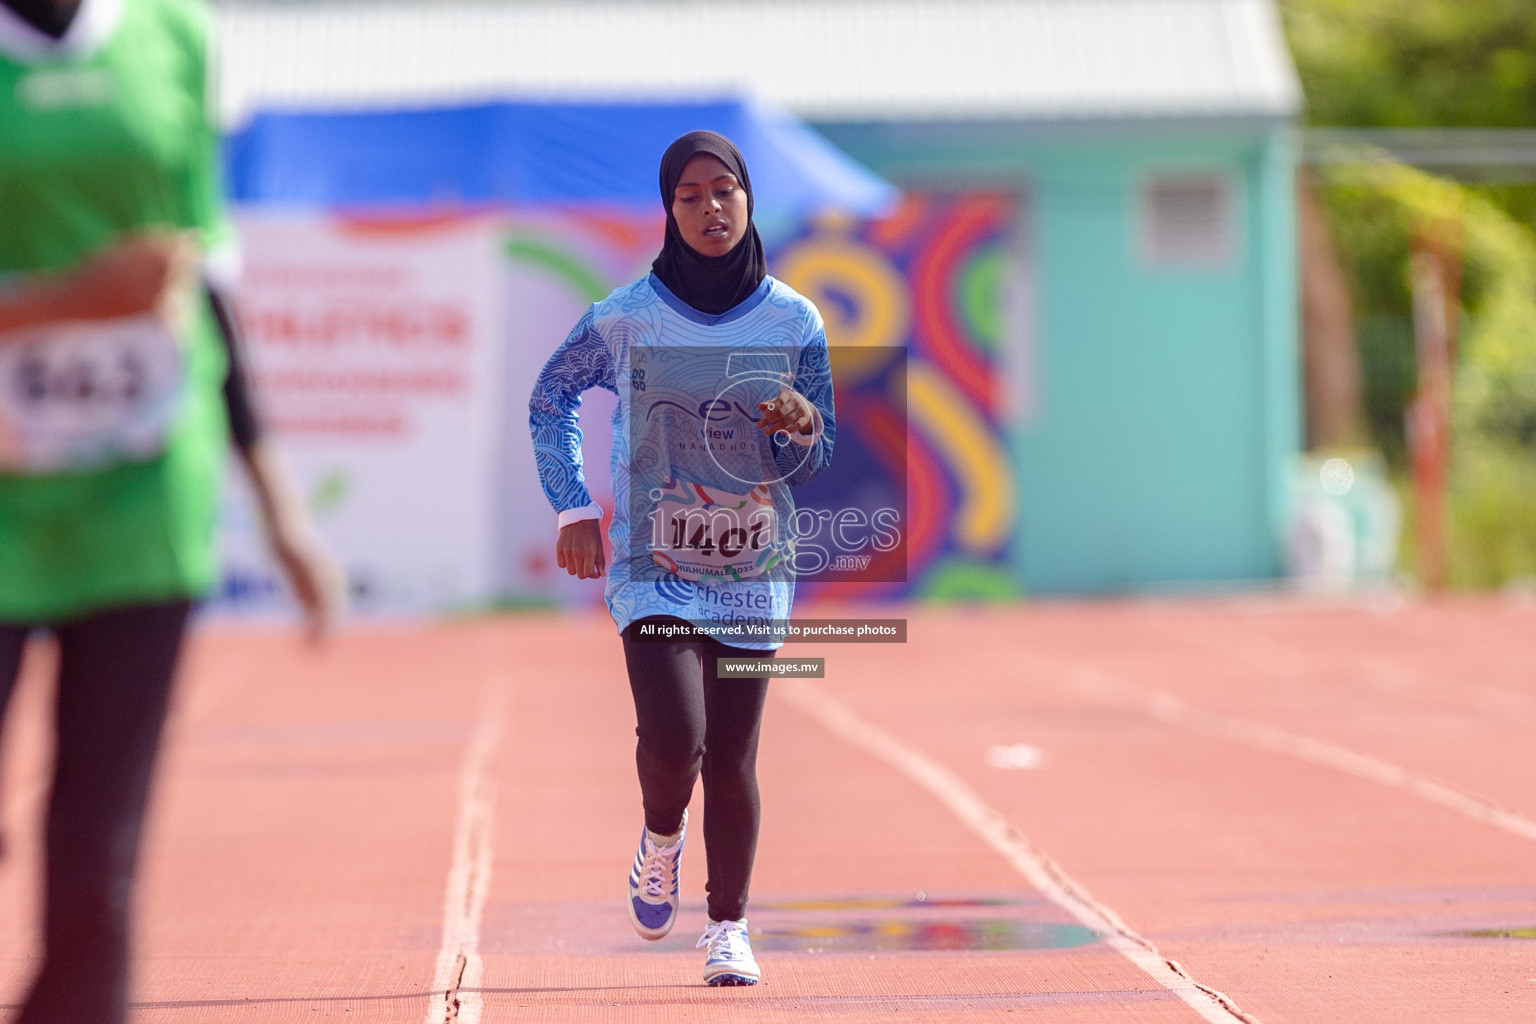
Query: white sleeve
point(591, 510)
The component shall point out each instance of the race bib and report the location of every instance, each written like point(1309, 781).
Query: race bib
point(704, 533)
point(84, 394)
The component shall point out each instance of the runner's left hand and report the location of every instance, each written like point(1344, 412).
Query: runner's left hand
point(152, 270)
point(790, 411)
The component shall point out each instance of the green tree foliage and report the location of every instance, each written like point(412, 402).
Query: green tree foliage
point(1416, 63)
point(1374, 213)
point(1450, 64)
point(1420, 64)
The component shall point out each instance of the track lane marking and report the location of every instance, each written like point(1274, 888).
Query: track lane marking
point(1170, 710)
point(994, 829)
point(460, 971)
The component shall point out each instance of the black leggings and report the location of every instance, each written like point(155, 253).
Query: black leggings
point(691, 721)
point(115, 671)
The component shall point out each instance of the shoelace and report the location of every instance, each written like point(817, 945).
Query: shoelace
point(726, 940)
point(658, 873)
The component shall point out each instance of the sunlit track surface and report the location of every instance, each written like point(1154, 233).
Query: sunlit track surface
point(1301, 891)
point(316, 813)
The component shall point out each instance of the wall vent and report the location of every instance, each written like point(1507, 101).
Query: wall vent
point(1188, 221)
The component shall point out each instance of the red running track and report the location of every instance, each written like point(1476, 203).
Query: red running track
point(1323, 812)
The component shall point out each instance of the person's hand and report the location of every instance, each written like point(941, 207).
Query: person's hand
point(790, 411)
point(316, 580)
point(142, 272)
point(579, 549)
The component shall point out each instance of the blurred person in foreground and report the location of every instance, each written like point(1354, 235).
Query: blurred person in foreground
point(725, 403)
point(120, 389)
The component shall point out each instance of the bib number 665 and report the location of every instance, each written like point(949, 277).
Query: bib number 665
point(83, 394)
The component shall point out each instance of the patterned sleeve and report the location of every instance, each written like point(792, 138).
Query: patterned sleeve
point(581, 362)
point(813, 379)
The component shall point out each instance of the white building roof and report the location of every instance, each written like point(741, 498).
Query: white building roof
point(826, 60)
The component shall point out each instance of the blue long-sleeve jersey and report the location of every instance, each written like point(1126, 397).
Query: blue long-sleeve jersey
point(704, 522)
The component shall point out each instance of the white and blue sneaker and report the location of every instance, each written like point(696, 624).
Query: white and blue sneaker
point(729, 960)
point(653, 884)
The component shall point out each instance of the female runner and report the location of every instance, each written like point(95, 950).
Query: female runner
point(725, 402)
point(112, 432)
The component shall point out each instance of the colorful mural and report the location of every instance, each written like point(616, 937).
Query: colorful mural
point(930, 278)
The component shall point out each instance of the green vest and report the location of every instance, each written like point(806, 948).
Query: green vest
point(108, 131)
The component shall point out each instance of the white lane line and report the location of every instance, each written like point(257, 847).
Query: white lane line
point(1170, 710)
point(993, 829)
point(460, 972)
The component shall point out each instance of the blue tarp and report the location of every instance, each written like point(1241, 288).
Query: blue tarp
point(535, 153)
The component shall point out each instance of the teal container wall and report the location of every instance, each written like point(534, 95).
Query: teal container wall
point(1168, 400)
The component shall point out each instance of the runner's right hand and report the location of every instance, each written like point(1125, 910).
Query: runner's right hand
point(141, 272)
point(317, 581)
point(579, 549)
